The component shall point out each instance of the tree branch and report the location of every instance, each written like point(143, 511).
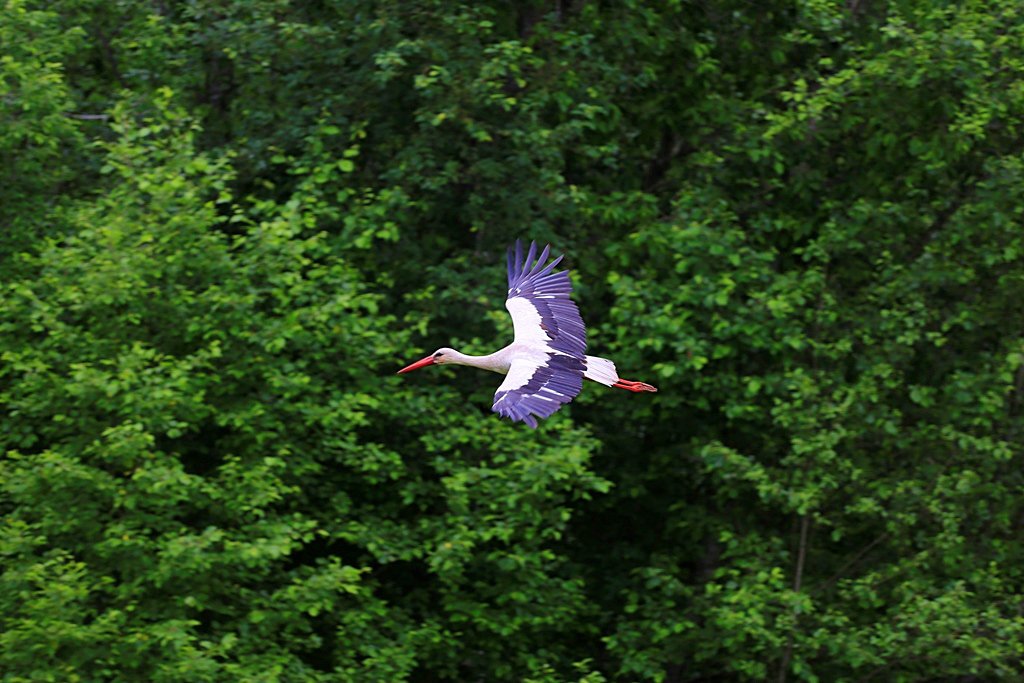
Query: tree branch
point(801, 559)
point(88, 117)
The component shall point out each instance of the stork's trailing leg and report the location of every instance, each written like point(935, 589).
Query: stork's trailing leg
point(633, 386)
point(602, 371)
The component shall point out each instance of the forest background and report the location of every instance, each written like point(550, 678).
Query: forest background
point(225, 224)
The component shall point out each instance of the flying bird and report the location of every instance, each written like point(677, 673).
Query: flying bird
point(546, 363)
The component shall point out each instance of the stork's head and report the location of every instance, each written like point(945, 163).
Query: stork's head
point(440, 357)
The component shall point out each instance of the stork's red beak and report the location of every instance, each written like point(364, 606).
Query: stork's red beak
point(429, 360)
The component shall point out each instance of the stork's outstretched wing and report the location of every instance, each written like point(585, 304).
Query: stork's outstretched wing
point(538, 300)
point(537, 389)
point(549, 333)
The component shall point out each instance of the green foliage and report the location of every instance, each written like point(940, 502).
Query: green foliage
point(226, 224)
point(37, 139)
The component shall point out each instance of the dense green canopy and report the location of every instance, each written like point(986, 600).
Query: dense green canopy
point(224, 224)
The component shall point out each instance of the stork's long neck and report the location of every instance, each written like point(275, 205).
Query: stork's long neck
point(495, 362)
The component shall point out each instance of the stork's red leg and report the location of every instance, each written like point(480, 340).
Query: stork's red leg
point(630, 385)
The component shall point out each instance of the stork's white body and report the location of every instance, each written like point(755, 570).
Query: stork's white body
point(600, 370)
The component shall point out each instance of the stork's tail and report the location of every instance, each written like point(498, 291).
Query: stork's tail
point(602, 371)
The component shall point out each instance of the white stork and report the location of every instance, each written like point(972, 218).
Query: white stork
point(546, 362)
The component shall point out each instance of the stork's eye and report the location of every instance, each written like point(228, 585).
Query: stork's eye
point(438, 354)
